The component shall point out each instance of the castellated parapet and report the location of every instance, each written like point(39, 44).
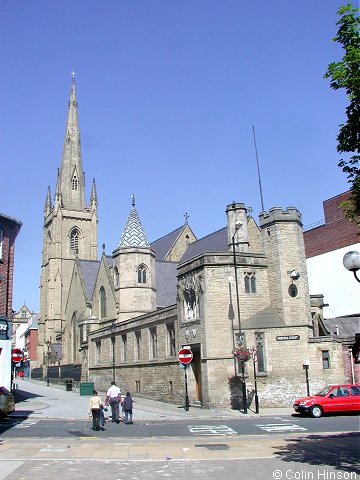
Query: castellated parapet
point(277, 214)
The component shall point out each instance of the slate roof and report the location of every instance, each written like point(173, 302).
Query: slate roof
point(166, 282)
point(133, 234)
point(214, 242)
point(163, 245)
point(347, 326)
point(89, 270)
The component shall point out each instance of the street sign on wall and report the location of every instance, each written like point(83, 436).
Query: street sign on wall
point(185, 356)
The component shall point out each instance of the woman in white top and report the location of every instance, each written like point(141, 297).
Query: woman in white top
point(94, 410)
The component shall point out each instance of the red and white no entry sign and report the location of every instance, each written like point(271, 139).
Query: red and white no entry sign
point(17, 355)
point(185, 356)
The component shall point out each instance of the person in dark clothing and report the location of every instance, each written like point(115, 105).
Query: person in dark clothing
point(128, 408)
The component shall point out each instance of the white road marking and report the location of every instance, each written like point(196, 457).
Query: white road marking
point(211, 430)
point(280, 427)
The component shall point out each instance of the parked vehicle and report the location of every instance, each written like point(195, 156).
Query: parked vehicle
point(7, 402)
point(331, 399)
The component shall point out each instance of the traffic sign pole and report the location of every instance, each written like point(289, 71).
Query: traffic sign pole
point(185, 356)
point(187, 406)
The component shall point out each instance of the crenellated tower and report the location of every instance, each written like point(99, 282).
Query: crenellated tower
point(69, 231)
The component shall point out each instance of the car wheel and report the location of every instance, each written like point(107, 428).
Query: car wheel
point(316, 411)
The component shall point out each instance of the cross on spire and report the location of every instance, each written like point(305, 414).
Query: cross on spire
point(186, 218)
point(73, 73)
point(133, 200)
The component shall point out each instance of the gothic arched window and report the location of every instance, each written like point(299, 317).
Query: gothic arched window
point(116, 277)
point(142, 274)
point(74, 241)
point(102, 302)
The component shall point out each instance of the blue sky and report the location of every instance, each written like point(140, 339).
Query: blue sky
point(168, 92)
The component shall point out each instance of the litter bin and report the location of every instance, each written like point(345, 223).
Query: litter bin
point(69, 385)
point(86, 388)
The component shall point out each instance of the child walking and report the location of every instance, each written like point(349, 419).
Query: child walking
point(128, 408)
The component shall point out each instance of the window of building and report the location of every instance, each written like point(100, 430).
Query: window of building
point(124, 347)
point(137, 345)
point(74, 182)
point(116, 277)
point(23, 314)
point(171, 351)
point(260, 351)
point(142, 274)
point(74, 241)
point(250, 282)
point(137, 386)
point(325, 359)
point(1, 242)
point(102, 302)
point(171, 388)
point(153, 343)
point(98, 352)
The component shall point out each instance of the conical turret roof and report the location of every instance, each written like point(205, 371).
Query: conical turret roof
point(133, 234)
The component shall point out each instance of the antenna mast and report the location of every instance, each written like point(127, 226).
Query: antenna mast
point(258, 169)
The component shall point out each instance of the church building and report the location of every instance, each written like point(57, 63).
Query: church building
point(124, 316)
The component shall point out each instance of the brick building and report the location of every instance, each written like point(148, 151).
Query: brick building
point(325, 247)
point(9, 228)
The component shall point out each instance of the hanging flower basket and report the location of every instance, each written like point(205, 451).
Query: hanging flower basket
point(242, 353)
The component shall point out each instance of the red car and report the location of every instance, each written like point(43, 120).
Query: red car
point(333, 398)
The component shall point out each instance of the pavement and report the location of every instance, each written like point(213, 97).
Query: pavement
point(37, 400)
point(292, 455)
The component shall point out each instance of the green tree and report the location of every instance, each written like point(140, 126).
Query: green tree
point(346, 74)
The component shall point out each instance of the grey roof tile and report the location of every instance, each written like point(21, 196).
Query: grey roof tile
point(162, 245)
point(347, 326)
point(214, 242)
point(166, 283)
point(89, 270)
point(133, 234)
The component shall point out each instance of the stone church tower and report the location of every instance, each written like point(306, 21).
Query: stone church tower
point(69, 232)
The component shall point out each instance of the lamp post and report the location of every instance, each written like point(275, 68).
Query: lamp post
point(113, 328)
point(48, 353)
point(351, 262)
point(241, 363)
point(306, 364)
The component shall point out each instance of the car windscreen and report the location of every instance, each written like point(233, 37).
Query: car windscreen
point(324, 391)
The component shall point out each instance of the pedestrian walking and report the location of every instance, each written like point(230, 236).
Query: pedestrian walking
point(103, 409)
point(94, 410)
point(127, 405)
point(113, 398)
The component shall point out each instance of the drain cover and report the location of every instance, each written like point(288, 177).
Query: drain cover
point(214, 446)
point(79, 434)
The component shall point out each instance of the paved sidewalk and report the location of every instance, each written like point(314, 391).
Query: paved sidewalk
point(40, 401)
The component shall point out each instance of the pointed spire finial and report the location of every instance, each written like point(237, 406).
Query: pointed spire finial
point(103, 248)
point(133, 200)
point(73, 73)
point(186, 218)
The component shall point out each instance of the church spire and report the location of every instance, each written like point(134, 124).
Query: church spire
point(93, 197)
point(48, 205)
point(133, 234)
point(72, 181)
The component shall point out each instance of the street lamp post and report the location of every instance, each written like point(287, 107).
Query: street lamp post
point(113, 328)
point(241, 363)
point(48, 353)
point(351, 262)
